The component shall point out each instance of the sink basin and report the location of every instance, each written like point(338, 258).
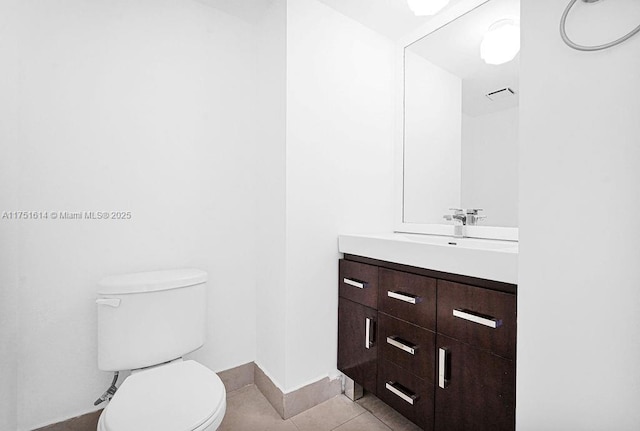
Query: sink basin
point(478, 244)
point(481, 258)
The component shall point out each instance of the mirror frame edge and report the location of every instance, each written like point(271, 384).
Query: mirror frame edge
point(484, 232)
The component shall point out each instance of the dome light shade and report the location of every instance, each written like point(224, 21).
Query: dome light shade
point(426, 7)
point(501, 42)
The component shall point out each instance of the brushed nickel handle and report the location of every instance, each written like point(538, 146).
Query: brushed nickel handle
point(406, 297)
point(355, 283)
point(402, 392)
point(400, 344)
point(369, 332)
point(443, 380)
point(489, 321)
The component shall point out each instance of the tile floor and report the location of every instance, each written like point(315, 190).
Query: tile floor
point(249, 410)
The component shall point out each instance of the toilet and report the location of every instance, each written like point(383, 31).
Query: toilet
point(147, 322)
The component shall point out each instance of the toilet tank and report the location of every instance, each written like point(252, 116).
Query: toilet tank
point(148, 318)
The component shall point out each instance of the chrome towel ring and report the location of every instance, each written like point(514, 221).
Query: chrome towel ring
point(572, 44)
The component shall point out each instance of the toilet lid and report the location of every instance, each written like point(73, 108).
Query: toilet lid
point(176, 397)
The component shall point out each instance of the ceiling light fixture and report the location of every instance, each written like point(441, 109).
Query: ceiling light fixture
point(501, 42)
point(426, 7)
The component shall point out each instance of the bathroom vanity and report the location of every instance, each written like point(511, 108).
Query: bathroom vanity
point(436, 346)
point(427, 320)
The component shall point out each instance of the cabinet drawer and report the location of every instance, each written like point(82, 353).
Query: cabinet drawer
point(359, 283)
point(408, 297)
point(408, 346)
point(408, 394)
point(481, 317)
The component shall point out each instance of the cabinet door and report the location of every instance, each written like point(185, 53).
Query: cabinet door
point(475, 389)
point(357, 343)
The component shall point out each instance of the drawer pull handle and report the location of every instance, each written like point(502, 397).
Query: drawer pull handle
point(355, 283)
point(489, 321)
point(443, 358)
point(401, 391)
point(369, 332)
point(406, 297)
point(401, 344)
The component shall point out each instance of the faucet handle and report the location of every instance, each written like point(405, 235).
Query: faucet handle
point(473, 211)
point(456, 212)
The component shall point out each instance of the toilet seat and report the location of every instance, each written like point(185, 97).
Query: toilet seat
point(180, 396)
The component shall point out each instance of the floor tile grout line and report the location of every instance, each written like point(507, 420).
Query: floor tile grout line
point(348, 420)
point(294, 424)
point(386, 425)
point(385, 419)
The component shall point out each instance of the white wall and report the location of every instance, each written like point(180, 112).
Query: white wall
point(9, 312)
point(489, 166)
point(578, 295)
point(240, 149)
point(137, 106)
point(270, 186)
point(433, 135)
point(339, 168)
point(9, 250)
point(8, 336)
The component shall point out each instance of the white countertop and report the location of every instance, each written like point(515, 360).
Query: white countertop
point(481, 258)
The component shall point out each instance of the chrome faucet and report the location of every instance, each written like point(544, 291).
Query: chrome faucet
point(473, 217)
point(459, 219)
point(463, 217)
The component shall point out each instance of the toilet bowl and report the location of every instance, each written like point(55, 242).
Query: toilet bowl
point(179, 396)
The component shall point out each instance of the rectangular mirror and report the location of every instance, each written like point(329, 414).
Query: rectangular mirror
point(460, 137)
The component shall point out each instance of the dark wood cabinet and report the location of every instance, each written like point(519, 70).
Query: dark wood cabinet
point(407, 345)
point(357, 343)
point(477, 391)
point(406, 363)
point(481, 317)
point(476, 345)
point(408, 297)
point(407, 393)
point(359, 283)
point(358, 323)
point(439, 348)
